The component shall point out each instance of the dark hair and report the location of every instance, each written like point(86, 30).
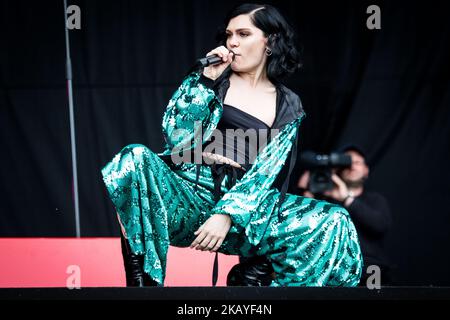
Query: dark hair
point(353, 147)
point(285, 58)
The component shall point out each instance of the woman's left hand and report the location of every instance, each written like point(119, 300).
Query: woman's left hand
point(211, 234)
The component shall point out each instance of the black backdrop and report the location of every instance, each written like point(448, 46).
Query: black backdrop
point(386, 89)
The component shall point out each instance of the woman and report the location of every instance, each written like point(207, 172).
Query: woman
point(221, 204)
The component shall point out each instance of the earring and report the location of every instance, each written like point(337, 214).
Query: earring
point(268, 52)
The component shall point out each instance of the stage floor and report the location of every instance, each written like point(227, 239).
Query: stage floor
point(227, 293)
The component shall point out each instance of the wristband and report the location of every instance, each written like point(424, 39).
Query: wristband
point(349, 195)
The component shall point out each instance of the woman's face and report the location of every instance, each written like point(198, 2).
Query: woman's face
point(247, 42)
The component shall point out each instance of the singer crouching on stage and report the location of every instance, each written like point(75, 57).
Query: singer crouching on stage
point(229, 200)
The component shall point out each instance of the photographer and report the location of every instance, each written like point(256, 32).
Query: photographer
point(369, 210)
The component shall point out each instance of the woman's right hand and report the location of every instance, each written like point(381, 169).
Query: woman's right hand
point(214, 71)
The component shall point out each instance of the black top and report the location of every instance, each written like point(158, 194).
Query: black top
point(289, 108)
point(241, 145)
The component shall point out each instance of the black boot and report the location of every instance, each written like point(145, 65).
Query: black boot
point(134, 270)
point(252, 272)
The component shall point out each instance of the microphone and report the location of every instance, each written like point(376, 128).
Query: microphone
point(211, 60)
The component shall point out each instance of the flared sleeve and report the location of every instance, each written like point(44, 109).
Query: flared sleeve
point(191, 115)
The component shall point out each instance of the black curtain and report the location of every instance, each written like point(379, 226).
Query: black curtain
point(387, 90)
